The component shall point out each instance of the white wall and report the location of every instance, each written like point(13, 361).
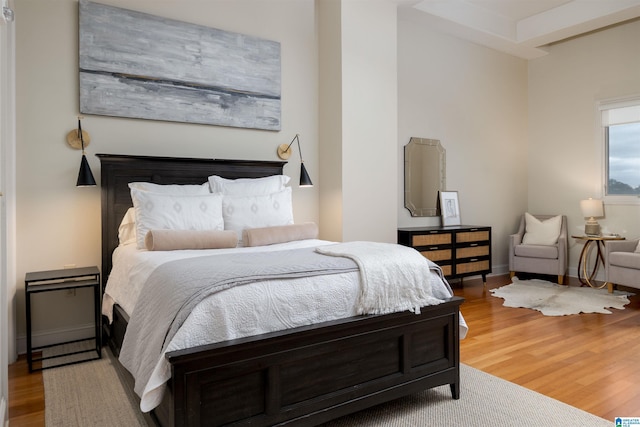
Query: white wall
point(474, 100)
point(329, 20)
point(369, 120)
point(7, 208)
point(59, 224)
point(564, 147)
point(358, 119)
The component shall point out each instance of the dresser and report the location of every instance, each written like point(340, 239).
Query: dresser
point(460, 250)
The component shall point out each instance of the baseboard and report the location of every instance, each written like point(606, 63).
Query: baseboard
point(3, 412)
point(498, 270)
point(44, 338)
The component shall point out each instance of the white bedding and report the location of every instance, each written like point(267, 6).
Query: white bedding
point(240, 311)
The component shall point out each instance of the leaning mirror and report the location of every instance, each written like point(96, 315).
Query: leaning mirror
point(424, 175)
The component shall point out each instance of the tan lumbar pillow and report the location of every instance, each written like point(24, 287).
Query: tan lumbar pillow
point(279, 234)
point(169, 240)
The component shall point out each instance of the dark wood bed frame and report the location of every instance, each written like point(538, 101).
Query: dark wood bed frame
point(302, 376)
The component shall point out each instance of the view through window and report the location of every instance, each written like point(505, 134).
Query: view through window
point(622, 145)
point(623, 148)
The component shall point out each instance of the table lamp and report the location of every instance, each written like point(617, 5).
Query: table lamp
point(591, 209)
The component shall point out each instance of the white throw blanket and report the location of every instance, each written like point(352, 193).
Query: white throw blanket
point(383, 264)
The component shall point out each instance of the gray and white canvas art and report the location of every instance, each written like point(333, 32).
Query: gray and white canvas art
point(137, 65)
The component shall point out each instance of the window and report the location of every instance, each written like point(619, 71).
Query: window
point(623, 148)
point(621, 131)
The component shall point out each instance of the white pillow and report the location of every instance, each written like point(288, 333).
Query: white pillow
point(127, 228)
point(187, 189)
point(248, 186)
point(240, 212)
point(541, 232)
point(156, 211)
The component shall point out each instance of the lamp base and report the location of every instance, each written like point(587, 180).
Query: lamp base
point(74, 141)
point(284, 151)
point(592, 229)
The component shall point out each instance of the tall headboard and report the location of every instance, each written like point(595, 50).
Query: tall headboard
point(119, 170)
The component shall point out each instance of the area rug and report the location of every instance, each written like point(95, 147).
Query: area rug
point(92, 394)
point(87, 394)
point(552, 299)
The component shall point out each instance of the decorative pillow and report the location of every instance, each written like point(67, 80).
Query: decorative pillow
point(279, 234)
point(177, 189)
point(638, 247)
point(541, 232)
point(169, 240)
point(156, 211)
point(248, 186)
point(127, 228)
point(240, 212)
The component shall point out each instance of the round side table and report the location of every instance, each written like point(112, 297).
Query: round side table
point(584, 258)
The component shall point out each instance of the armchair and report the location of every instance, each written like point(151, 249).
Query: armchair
point(622, 263)
point(537, 258)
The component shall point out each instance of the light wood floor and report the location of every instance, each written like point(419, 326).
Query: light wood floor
point(26, 395)
point(590, 361)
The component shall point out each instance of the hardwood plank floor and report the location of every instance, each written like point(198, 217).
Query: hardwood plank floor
point(26, 395)
point(589, 361)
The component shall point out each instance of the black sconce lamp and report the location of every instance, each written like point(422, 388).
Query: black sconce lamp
point(79, 139)
point(284, 152)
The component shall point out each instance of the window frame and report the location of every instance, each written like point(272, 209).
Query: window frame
point(603, 144)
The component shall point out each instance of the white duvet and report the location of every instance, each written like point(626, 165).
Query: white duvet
point(240, 311)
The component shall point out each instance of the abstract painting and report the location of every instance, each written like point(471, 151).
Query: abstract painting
point(137, 65)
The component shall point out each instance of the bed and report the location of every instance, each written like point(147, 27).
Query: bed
point(304, 375)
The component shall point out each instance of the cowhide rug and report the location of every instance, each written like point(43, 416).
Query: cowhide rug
point(552, 299)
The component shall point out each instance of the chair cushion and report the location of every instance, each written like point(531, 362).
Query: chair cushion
point(536, 251)
point(541, 232)
point(625, 259)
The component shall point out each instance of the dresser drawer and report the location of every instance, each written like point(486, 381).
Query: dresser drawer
point(446, 270)
point(472, 236)
point(472, 251)
point(432, 239)
point(437, 255)
point(470, 267)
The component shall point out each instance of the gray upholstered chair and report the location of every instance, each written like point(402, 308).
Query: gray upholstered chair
point(539, 259)
point(622, 263)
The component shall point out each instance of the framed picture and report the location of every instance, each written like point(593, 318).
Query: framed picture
point(449, 207)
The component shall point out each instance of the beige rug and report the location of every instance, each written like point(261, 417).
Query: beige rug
point(92, 394)
point(485, 400)
point(552, 299)
point(87, 394)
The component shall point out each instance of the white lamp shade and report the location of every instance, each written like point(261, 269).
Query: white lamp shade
point(592, 208)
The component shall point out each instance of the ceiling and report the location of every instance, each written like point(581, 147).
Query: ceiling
point(519, 27)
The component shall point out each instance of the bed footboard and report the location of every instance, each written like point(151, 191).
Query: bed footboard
point(313, 374)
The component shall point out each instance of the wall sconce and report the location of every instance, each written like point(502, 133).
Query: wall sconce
point(284, 152)
point(591, 209)
point(79, 139)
